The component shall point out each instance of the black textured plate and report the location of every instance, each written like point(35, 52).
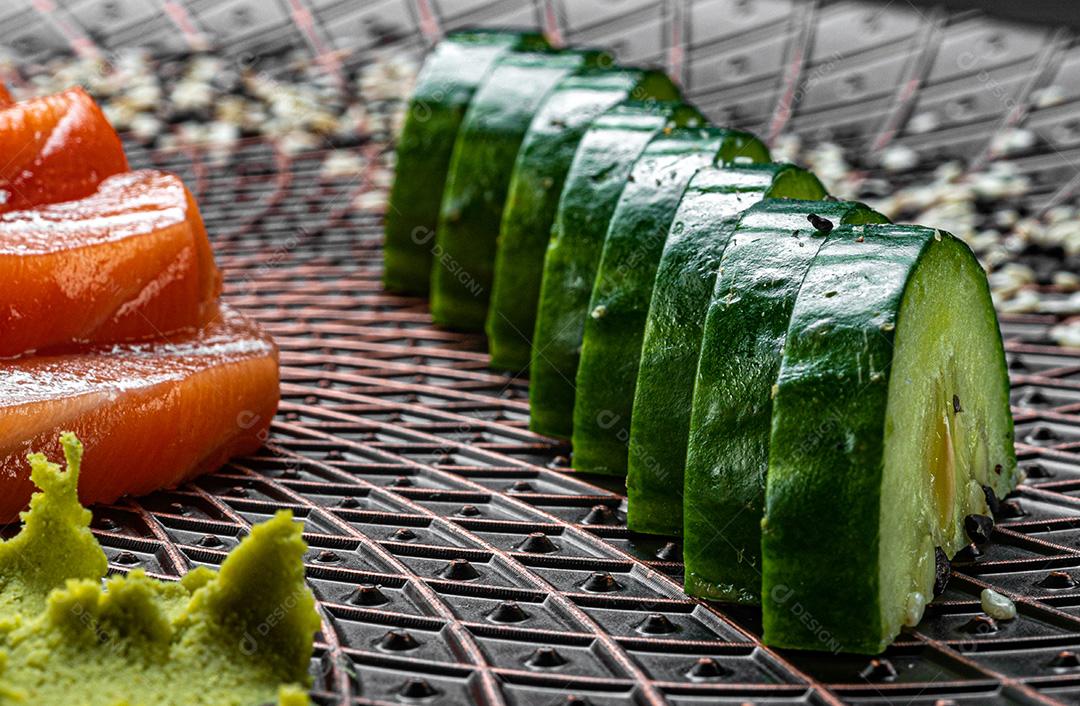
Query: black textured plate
point(457, 560)
point(425, 496)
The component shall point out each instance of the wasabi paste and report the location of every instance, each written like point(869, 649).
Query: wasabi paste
point(241, 636)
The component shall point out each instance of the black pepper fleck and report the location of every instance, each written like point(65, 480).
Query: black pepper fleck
point(978, 528)
point(942, 571)
point(821, 225)
point(991, 500)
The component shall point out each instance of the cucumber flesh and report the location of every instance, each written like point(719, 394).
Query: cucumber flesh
point(479, 175)
point(741, 347)
point(708, 213)
point(443, 90)
point(891, 324)
point(619, 304)
point(594, 182)
point(535, 186)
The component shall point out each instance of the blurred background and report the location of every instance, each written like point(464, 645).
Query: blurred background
point(941, 113)
point(281, 116)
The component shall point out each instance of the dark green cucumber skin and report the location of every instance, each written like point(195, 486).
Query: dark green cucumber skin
point(535, 187)
point(479, 176)
point(599, 170)
point(869, 283)
point(741, 352)
point(844, 317)
point(619, 304)
point(708, 213)
point(443, 90)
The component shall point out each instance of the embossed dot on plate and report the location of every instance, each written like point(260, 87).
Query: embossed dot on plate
point(367, 595)
point(669, 552)
point(1042, 436)
point(601, 582)
point(508, 612)
point(521, 486)
point(417, 690)
point(459, 570)
point(537, 543)
point(879, 670)
point(656, 624)
point(179, 509)
point(1037, 471)
point(980, 625)
point(1057, 581)
point(545, 658)
point(127, 558)
point(402, 534)
point(598, 515)
point(706, 669)
point(1066, 659)
point(397, 641)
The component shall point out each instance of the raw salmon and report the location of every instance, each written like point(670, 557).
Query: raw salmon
point(55, 148)
point(132, 261)
point(5, 96)
point(150, 415)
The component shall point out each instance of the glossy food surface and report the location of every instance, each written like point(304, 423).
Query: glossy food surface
point(872, 462)
point(131, 261)
point(152, 414)
point(594, 182)
point(537, 182)
point(479, 178)
point(55, 148)
point(619, 305)
point(742, 346)
point(451, 73)
point(707, 215)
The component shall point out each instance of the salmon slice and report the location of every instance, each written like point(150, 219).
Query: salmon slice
point(150, 415)
point(55, 148)
point(132, 261)
point(5, 96)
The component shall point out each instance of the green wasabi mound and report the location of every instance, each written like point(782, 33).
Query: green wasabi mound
point(241, 636)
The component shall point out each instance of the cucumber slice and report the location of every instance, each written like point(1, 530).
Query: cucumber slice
point(596, 178)
point(444, 87)
point(741, 351)
point(535, 186)
point(619, 304)
point(707, 215)
point(891, 413)
point(479, 176)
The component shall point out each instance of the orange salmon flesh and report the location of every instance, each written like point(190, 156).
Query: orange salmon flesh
point(150, 415)
point(132, 261)
point(55, 148)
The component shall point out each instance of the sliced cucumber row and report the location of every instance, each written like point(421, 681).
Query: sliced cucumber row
point(814, 398)
point(745, 326)
point(479, 177)
point(708, 214)
point(443, 90)
point(891, 415)
point(615, 327)
point(537, 181)
point(600, 169)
